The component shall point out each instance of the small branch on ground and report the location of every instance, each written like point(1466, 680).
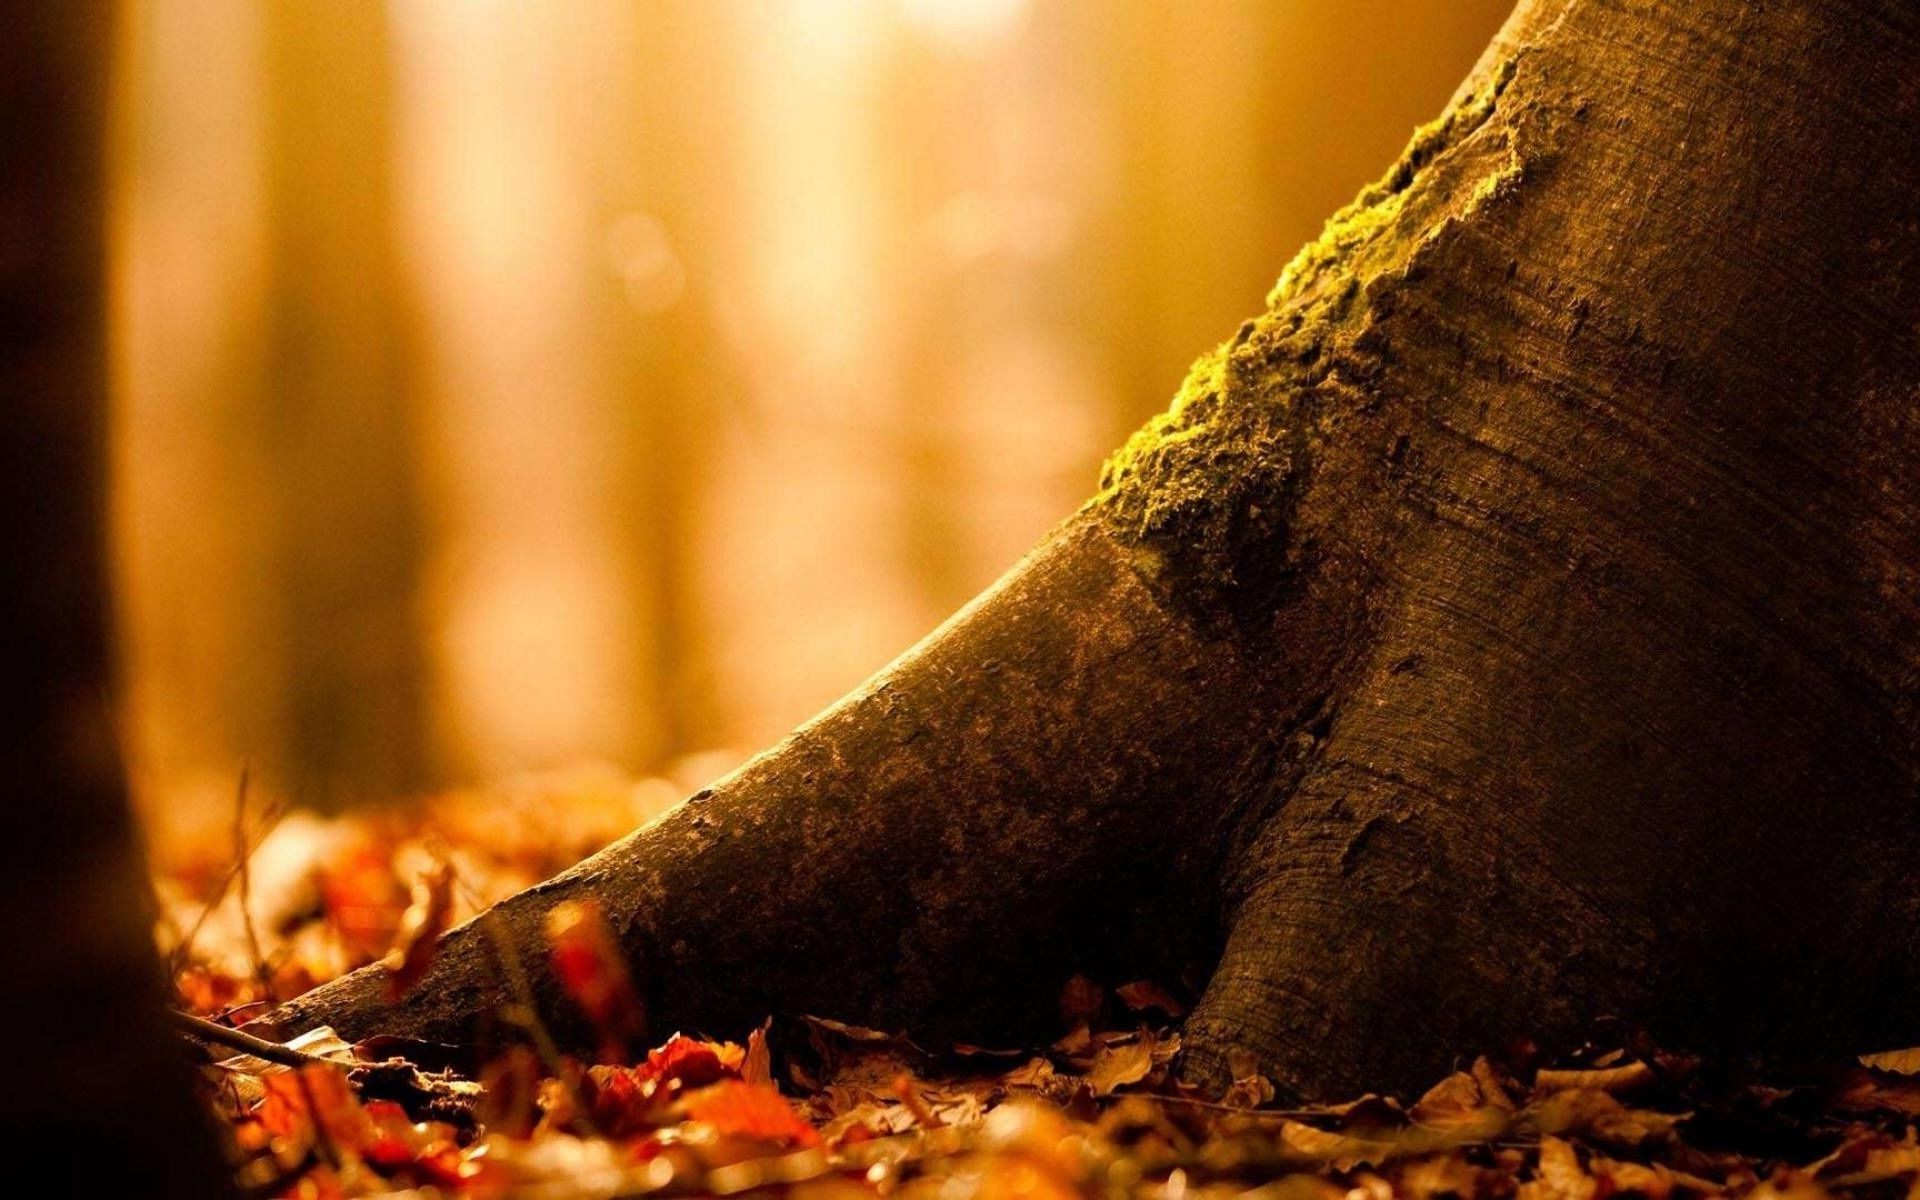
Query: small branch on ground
point(246, 1043)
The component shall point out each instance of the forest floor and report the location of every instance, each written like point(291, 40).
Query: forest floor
point(813, 1109)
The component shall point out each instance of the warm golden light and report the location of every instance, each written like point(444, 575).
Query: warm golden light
point(501, 386)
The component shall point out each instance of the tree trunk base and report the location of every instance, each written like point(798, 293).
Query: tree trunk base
point(1517, 624)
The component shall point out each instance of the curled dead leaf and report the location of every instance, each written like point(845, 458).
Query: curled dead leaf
point(1897, 1062)
point(1606, 1079)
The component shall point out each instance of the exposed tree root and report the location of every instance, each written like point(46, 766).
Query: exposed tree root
point(1518, 622)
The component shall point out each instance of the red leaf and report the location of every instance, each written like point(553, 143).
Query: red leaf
point(691, 1062)
point(587, 961)
point(363, 900)
point(621, 1101)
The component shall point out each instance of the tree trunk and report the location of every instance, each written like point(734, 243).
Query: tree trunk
point(338, 343)
point(97, 1093)
point(1517, 623)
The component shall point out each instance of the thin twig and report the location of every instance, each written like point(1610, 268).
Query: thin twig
point(262, 976)
point(183, 949)
point(322, 1139)
point(246, 1043)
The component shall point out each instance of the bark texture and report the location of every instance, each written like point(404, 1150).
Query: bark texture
point(97, 1096)
point(1517, 623)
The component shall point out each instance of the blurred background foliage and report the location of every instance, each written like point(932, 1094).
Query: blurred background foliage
point(504, 385)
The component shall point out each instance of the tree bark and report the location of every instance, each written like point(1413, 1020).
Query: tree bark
point(97, 1095)
point(1517, 623)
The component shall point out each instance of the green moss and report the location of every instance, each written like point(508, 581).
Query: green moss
point(1344, 246)
point(1241, 427)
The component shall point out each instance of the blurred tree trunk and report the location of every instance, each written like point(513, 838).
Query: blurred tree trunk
point(1516, 623)
point(97, 1096)
point(340, 344)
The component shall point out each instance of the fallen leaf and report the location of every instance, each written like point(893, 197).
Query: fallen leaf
point(293, 1097)
point(420, 928)
point(691, 1062)
point(1599, 1116)
point(1607, 1079)
point(1862, 1091)
point(1899, 1062)
point(362, 899)
point(1558, 1175)
point(757, 1064)
point(1116, 1066)
point(1144, 994)
point(1869, 1159)
point(853, 1033)
point(587, 961)
point(735, 1108)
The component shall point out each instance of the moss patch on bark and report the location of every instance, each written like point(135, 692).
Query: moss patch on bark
point(1224, 462)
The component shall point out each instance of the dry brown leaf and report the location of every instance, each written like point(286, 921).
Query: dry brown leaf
point(1440, 1175)
point(1494, 1092)
point(1144, 994)
point(1869, 1159)
point(1307, 1145)
point(1861, 1091)
point(1558, 1175)
point(1457, 1093)
point(1117, 1066)
point(1607, 1079)
point(1600, 1117)
point(1898, 1062)
point(1037, 1073)
point(852, 1033)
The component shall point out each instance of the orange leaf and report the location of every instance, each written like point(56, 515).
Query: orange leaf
point(293, 1095)
point(757, 1065)
point(738, 1109)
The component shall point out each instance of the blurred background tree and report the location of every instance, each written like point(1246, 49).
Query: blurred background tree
point(503, 385)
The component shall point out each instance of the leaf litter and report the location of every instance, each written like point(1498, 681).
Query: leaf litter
point(815, 1108)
